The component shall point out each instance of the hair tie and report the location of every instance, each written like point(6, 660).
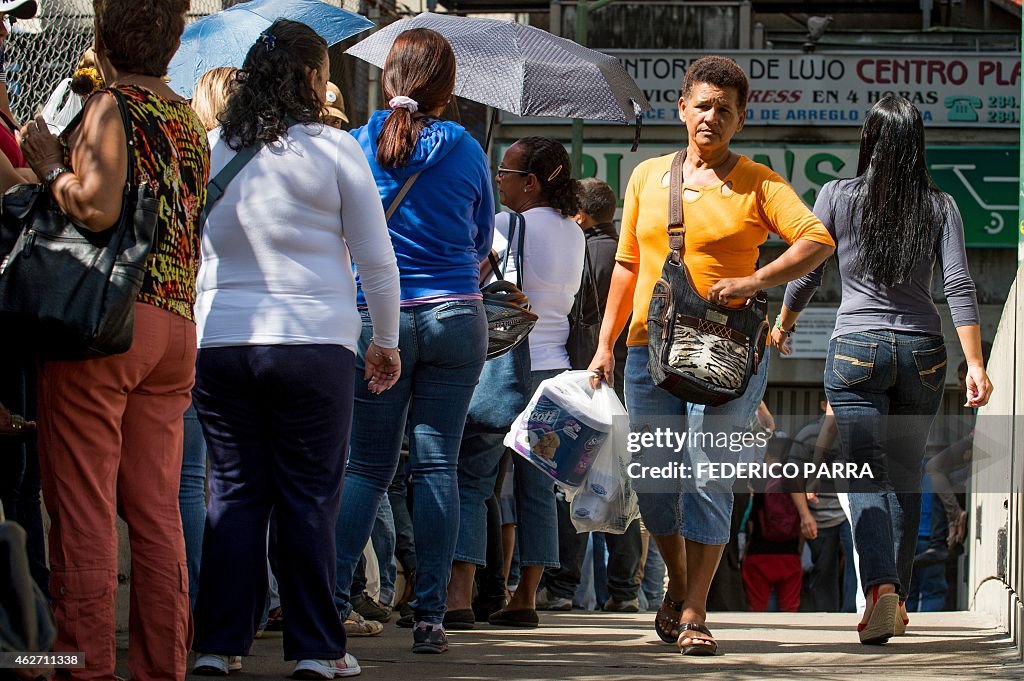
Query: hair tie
point(554, 173)
point(269, 39)
point(403, 102)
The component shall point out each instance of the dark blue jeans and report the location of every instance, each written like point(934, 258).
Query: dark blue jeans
point(443, 347)
point(277, 421)
point(192, 499)
point(885, 388)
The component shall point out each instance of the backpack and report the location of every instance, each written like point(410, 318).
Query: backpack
point(777, 518)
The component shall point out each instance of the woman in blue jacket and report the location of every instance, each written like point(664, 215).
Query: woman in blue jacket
point(441, 230)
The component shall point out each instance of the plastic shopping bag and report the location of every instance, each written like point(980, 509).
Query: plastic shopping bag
point(606, 501)
point(562, 429)
point(62, 107)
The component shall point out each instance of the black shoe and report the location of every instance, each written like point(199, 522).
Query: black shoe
point(406, 621)
point(459, 619)
point(485, 607)
point(371, 609)
point(931, 556)
point(429, 638)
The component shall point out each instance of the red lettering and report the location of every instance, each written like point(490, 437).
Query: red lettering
point(957, 72)
point(984, 69)
point(860, 70)
point(882, 69)
point(936, 71)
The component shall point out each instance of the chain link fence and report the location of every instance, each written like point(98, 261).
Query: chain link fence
point(41, 52)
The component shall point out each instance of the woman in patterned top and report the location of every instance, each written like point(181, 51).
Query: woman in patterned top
point(110, 430)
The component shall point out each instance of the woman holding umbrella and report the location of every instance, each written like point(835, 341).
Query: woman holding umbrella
point(434, 180)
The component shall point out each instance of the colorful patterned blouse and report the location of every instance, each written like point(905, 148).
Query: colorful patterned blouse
point(173, 155)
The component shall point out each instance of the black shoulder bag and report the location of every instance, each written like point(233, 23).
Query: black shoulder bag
point(584, 330)
point(68, 291)
point(699, 351)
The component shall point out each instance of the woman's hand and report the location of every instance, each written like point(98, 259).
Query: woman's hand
point(725, 290)
point(42, 149)
point(602, 367)
point(782, 341)
point(979, 388)
point(383, 367)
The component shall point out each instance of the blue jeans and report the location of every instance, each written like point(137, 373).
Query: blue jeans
point(699, 510)
point(534, 492)
point(928, 583)
point(192, 498)
point(382, 538)
point(443, 347)
point(885, 388)
point(849, 603)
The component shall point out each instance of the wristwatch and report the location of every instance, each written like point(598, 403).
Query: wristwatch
point(49, 178)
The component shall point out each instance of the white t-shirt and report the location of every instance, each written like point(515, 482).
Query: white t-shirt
point(278, 248)
point(553, 250)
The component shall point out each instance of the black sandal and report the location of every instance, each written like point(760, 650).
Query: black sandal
point(707, 646)
point(665, 625)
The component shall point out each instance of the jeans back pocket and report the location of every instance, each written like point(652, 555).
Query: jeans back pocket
point(931, 367)
point(853, 361)
point(455, 309)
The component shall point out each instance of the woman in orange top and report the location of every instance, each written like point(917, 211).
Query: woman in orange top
point(730, 203)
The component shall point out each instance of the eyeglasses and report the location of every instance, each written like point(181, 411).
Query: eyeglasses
point(502, 171)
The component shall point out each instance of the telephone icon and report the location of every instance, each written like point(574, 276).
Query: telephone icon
point(963, 108)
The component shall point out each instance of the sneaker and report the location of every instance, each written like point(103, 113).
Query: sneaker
point(216, 665)
point(357, 625)
point(327, 669)
point(612, 605)
point(429, 638)
point(371, 609)
point(547, 602)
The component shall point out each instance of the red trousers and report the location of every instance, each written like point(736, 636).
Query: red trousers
point(110, 442)
point(764, 571)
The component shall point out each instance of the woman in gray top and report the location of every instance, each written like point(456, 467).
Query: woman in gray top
point(886, 364)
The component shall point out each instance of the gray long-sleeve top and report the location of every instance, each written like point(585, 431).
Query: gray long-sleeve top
point(867, 304)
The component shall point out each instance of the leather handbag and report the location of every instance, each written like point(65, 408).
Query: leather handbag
point(699, 351)
point(503, 390)
point(509, 318)
point(584, 332)
point(68, 290)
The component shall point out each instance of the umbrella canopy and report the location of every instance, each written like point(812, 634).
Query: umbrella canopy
point(521, 69)
point(223, 39)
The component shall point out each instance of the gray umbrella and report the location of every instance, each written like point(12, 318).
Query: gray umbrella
point(523, 70)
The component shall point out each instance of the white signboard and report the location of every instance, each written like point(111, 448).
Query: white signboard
point(838, 88)
point(813, 331)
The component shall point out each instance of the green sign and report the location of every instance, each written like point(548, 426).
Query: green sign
point(982, 179)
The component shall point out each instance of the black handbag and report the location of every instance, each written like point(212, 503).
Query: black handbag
point(503, 390)
point(583, 334)
point(509, 318)
point(68, 290)
point(699, 351)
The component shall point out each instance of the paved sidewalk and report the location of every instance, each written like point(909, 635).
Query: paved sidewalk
point(612, 647)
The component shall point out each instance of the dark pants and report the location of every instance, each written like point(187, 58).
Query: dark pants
point(398, 495)
point(824, 582)
point(928, 582)
point(277, 422)
point(623, 559)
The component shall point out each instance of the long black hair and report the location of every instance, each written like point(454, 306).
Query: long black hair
point(549, 162)
point(273, 84)
point(900, 209)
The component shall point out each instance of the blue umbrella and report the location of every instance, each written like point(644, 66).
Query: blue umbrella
point(223, 39)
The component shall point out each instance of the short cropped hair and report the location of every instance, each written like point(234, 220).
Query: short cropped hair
point(722, 72)
point(140, 36)
point(596, 199)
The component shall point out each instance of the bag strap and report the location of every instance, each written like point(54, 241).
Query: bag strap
point(216, 187)
point(516, 220)
point(588, 277)
point(676, 227)
point(129, 134)
point(401, 195)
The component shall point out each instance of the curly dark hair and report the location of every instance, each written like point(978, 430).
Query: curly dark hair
point(273, 84)
point(140, 36)
point(722, 72)
point(549, 162)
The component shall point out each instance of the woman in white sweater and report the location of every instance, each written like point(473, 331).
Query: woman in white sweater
point(278, 331)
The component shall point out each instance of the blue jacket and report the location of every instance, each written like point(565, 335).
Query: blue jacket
point(444, 225)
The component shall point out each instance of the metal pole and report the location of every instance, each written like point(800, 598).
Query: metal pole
point(583, 9)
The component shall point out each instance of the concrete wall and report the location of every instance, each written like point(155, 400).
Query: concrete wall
point(996, 505)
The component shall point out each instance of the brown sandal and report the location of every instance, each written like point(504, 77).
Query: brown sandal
point(697, 645)
point(665, 624)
